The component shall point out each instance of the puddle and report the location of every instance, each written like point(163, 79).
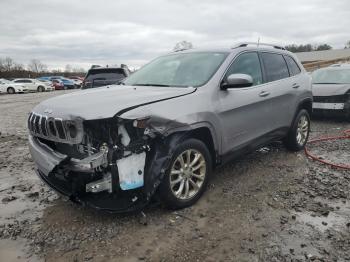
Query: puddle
point(322, 223)
point(336, 219)
point(14, 251)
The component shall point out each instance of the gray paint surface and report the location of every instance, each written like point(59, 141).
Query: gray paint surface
point(234, 116)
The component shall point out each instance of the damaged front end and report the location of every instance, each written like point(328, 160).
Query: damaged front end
point(112, 164)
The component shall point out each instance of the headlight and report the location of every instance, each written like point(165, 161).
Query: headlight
point(141, 123)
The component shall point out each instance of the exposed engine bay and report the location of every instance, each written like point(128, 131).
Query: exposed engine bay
point(113, 164)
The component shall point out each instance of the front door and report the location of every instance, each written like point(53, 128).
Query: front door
point(244, 112)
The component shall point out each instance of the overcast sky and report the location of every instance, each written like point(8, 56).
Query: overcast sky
point(84, 32)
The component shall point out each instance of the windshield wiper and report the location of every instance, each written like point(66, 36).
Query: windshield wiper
point(151, 85)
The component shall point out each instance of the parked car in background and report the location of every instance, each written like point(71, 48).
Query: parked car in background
point(102, 76)
point(33, 85)
point(77, 82)
point(10, 87)
point(48, 84)
point(331, 90)
point(77, 78)
point(58, 84)
point(68, 84)
point(169, 125)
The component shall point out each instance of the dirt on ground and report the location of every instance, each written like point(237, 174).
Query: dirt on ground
point(270, 205)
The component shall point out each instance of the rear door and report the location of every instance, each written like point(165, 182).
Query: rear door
point(281, 88)
point(22, 82)
point(244, 112)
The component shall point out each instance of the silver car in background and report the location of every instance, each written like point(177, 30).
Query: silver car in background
point(331, 90)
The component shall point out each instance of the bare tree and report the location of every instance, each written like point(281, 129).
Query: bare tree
point(347, 45)
point(183, 45)
point(77, 69)
point(56, 71)
point(36, 66)
point(68, 68)
point(7, 64)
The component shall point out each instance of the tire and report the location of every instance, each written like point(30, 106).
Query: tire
point(11, 90)
point(299, 132)
point(41, 89)
point(199, 176)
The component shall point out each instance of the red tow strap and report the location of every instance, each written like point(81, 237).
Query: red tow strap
point(344, 135)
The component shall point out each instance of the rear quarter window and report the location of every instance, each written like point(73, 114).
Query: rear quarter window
point(292, 66)
point(275, 66)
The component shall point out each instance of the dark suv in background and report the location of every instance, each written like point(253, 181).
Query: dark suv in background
point(102, 76)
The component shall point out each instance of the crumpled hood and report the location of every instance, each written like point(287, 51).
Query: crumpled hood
point(330, 89)
point(105, 102)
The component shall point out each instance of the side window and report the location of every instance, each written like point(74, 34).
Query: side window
point(275, 66)
point(292, 65)
point(19, 81)
point(247, 63)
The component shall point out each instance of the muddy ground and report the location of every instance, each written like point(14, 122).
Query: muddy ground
point(271, 205)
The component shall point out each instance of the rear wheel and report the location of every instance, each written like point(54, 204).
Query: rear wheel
point(41, 89)
point(299, 133)
point(187, 176)
point(11, 90)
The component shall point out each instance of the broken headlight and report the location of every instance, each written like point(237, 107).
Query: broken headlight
point(141, 122)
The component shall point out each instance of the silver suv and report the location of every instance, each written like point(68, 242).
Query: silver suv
point(162, 131)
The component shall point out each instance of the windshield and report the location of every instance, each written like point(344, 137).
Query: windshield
point(331, 76)
point(179, 70)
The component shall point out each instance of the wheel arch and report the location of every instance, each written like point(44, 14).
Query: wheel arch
point(205, 133)
point(305, 104)
point(9, 87)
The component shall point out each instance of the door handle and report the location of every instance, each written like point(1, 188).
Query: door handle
point(295, 85)
point(264, 93)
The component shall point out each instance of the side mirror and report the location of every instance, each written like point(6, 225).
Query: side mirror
point(237, 80)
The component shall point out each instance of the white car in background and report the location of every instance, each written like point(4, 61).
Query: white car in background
point(77, 82)
point(9, 87)
point(34, 85)
point(48, 84)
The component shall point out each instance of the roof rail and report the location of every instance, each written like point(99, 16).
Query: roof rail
point(244, 44)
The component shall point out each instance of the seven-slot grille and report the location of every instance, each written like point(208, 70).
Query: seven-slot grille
point(46, 127)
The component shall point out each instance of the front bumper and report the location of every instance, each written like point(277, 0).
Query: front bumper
point(68, 177)
point(332, 105)
point(22, 90)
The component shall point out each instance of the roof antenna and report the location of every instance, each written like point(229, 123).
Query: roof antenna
point(258, 41)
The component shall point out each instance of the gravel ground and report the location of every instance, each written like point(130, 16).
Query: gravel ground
point(271, 205)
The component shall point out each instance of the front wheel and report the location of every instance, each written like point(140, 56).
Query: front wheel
point(11, 90)
point(41, 89)
point(299, 133)
point(187, 176)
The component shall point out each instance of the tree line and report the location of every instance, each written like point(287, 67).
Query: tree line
point(35, 68)
point(309, 47)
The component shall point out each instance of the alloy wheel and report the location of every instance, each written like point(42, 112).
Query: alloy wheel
point(302, 130)
point(187, 174)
